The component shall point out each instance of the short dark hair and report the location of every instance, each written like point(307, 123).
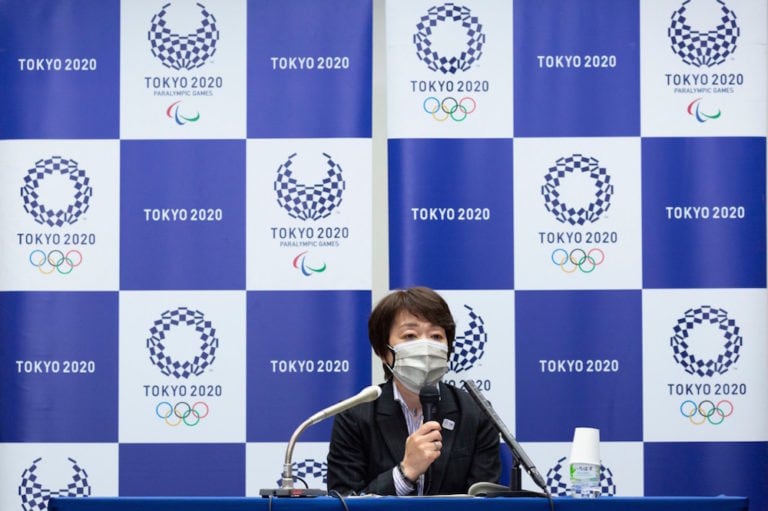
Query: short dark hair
point(422, 302)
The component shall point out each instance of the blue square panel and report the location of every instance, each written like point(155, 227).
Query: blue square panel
point(735, 469)
point(450, 213)
point(59, 381)
point(578, 359)
point(189, 470)
point(306, 351)
point(704, 212)
point(61, 70)
point(577, 68)
point(182, 214)
point(310, 69)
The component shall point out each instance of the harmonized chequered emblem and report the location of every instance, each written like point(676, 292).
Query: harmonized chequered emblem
point(35, 205)
point(703, 48)
point(34, 496)
point(449, 13)
point(570, 166)
point(559, 482)
point(187, 51)
point(309, 470)
point(469, 347)
point(182, 316)
point(309, 202)
point(684, 333)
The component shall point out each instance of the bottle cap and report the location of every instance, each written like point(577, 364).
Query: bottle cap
point(586, 446)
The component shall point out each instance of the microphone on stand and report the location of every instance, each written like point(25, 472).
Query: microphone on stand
point(286, 489)
point(429, 397)
point(517, 450)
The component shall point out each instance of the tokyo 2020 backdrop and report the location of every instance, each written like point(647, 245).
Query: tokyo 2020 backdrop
point(186, 221)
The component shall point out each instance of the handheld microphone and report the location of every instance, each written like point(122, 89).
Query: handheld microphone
point(429, 397)
point(517, 450)
point(286, 489)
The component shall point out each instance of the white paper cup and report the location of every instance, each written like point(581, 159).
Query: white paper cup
point(586, 446)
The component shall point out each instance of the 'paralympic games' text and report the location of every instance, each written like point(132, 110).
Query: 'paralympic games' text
point(705, 212)
point(310, 366)
point(579, 366)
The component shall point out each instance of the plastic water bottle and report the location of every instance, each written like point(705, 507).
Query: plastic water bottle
point(585, 480)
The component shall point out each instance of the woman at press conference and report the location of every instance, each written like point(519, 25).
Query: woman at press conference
point(385, 447)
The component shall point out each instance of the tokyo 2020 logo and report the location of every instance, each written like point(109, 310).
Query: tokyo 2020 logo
point(309, 202)
point(469, 346)
point(183, 52)
point(34, 496)
point(432, 56)
point(81, 191)
point(683, 342)
point(703, 48)
point(570, 166)
point(206, 334)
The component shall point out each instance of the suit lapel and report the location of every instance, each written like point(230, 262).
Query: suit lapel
point(390, 420)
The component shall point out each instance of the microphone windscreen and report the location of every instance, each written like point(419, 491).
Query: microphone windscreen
point(429, 397)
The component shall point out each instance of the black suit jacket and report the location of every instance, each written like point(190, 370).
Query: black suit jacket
point(368, 441)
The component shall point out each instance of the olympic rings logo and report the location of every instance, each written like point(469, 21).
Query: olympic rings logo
point(55, 260)
point(709, 411)
point(577, 259)
point(182, 412)
point(449, 108)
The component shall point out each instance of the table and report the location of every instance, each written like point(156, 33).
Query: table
point(722, 503)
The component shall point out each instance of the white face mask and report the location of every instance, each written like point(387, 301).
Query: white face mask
point(419, 363)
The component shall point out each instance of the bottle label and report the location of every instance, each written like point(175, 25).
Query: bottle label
point(585, 479)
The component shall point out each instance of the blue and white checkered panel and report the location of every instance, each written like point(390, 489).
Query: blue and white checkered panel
point(619, 321)
point(186, 201)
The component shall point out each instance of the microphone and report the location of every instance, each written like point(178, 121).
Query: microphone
point(286, 489)
point(517, 450)
point(429, 397)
